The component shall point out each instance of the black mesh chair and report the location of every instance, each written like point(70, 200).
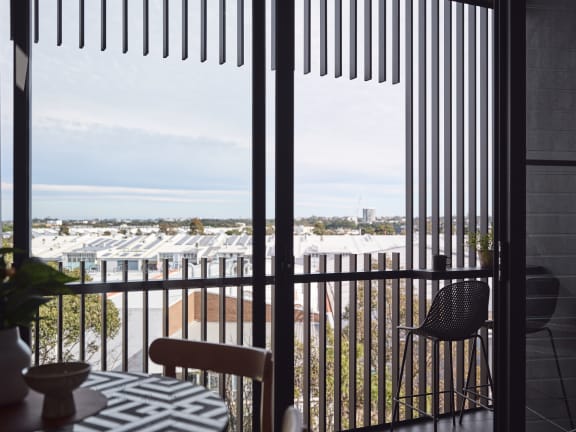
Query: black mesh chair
point(457, 312)
point(541, 298)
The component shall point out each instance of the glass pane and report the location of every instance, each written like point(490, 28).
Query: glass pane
point(551, 297)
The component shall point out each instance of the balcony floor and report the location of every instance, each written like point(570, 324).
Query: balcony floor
point(477, 421)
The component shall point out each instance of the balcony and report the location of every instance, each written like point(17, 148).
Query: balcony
point(119, 308)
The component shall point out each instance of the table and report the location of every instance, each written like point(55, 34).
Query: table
point(146, 403)
point(140, 402)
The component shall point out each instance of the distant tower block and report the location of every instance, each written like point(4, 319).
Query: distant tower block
point(368, 215)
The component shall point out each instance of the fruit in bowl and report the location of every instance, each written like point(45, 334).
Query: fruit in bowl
point(57, 381)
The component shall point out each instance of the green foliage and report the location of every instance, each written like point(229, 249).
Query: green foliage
point(196, 227)
point(64, 230)
point(23, 290)
point(481, 241)
point(319, 228)
point(71, 305)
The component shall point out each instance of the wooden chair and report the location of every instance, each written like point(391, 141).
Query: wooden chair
point(292, 420)
point(254, 363)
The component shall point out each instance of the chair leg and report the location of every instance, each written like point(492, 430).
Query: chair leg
point(395, 403)
point(451, 386)
point(560, 376)
point(465, 389)
point(435, 382)
point(485, 354)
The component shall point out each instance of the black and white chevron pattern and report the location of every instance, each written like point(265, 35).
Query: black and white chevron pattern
point(144, 403)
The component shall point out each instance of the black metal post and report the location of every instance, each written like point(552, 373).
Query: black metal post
point(284, 288)
point(20, 11)
point(510, 213)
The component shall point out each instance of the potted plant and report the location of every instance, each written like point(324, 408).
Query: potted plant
point(483, 243)
point(22, 291)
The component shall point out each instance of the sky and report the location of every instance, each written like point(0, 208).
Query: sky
point(126, 136)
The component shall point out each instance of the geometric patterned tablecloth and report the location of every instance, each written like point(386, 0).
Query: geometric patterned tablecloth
point(146, 403)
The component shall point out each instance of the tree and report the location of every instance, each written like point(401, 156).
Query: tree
point(71, 305)
point(64, 230)
point(196, 227)
point(319, 228)
point(71, 327)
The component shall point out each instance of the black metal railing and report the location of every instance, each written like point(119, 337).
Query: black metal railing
point(346, 312)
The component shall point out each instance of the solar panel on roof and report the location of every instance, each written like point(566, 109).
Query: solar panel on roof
point(206, 240)
point(151, 245)
point(183, 240)
point(193, 240)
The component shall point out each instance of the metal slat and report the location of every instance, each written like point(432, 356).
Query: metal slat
point(322, 268)
point(353, 39)
point(203, 31)
point(484, 131)
point(423, 375)
point(104, 321)
point(306, 348)
point(323, 38)
point(352, 347)
point(60, 345)
point(274, 35)
point(409, 118)
point(222, 319)
point(184, 29)
point(165, 299)
point(145, 319)
point(36, 21)
point(472, 179)
point(307, 37)
point(222, 32)
point(382, 42)
point(483, 174)
point(124, 26)
point(145, 27)
point(447, 142)
point(185, 294)
point(459, 135)
point(367, 346)
point(382, 336)
point(240, 33)
point(435, 124)
point(395, 322)
point(81, 23)
point(447, 117)
point(422, 131)
point(459, 88)
point(204, 312)
point(165, 29)
point(396, 38)
point(125, 330)
point(337, 345)
point(82, 317)
point(367, 40)
point(240, 341)
point(103, 4)
point(59, 22)
point(338, 39)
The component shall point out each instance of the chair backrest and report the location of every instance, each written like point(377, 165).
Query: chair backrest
point(541, 298)
point(292, 420)
point(254, 363)
point(458, 310)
